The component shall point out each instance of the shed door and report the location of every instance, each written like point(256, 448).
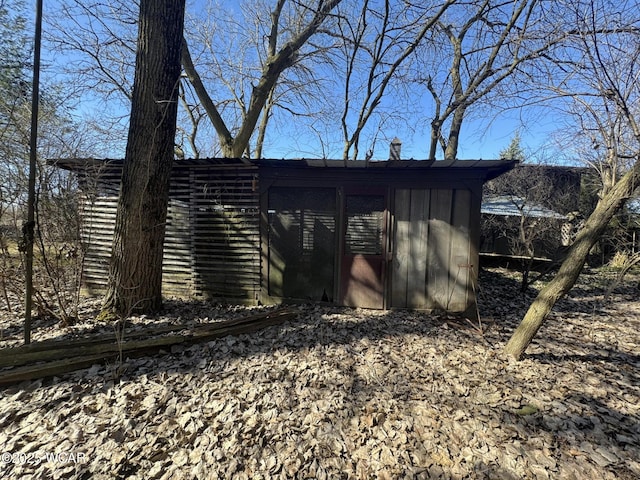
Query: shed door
point(362, 267)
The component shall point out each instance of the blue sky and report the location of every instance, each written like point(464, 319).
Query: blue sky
point(482, 136)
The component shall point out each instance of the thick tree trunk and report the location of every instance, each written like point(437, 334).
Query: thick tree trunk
point(571, 267)
point(136, 265)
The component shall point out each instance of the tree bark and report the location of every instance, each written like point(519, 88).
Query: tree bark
point(572, 265)
point(136, 264)
point(453, 139)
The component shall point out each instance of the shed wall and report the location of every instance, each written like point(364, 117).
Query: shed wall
point(226, 239)
point(432, 260)
point(212, 237)
point(433, 249)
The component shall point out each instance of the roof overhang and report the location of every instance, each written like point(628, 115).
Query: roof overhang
point(486, 169)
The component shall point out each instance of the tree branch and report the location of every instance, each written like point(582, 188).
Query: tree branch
point(226, 139)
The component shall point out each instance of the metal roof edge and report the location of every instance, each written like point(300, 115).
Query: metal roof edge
point(493, 167)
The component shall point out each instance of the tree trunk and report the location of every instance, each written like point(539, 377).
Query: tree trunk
point(264, 121)
point(435, 136)
point(136, 264)
point(453, 140)
point(224, 135)
point(570, 269)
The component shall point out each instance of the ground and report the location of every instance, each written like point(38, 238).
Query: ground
point(348, 393)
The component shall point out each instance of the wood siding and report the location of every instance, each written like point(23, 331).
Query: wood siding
point(232, 237)
point(212, 237)
point(433, 253)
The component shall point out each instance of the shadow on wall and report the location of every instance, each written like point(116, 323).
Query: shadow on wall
point(301, 243)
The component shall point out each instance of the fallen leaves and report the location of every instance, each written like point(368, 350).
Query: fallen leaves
point(347, 393)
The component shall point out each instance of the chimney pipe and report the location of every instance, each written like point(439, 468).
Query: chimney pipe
point(394, 149)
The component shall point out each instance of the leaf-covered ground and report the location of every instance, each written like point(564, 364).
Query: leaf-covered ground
point(348, 393)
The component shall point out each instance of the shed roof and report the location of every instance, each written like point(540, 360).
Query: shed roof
point(492, 168)
point(509, 206)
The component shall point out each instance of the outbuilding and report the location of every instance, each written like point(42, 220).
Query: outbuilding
point(372, 234)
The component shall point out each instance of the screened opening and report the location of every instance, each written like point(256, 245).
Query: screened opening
point(302, 229)
point(365, 224)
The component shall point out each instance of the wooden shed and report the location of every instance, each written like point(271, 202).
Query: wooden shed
point(385, 234)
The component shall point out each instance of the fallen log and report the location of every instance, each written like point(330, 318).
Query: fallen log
point(68, 356)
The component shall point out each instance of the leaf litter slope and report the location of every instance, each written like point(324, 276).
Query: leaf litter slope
point(348, 393)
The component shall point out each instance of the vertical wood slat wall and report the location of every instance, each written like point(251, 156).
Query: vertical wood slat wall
point(433, 252)
point(212, 237)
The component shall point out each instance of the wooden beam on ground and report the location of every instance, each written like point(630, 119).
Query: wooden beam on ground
point(54, 358)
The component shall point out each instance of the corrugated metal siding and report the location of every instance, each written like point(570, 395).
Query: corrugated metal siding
point(212, 237)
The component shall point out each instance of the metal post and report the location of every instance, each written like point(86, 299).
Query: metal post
point(29, 227)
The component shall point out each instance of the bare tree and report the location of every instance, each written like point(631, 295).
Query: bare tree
point(231, 46)
point(375, 43)
point(536, 200)
point(483, 47)
point(599, 72)
point(281, 54)
point(57, 251)
point(136, 265)
point(94, 43)
point(279, 61)
point(97, 41)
